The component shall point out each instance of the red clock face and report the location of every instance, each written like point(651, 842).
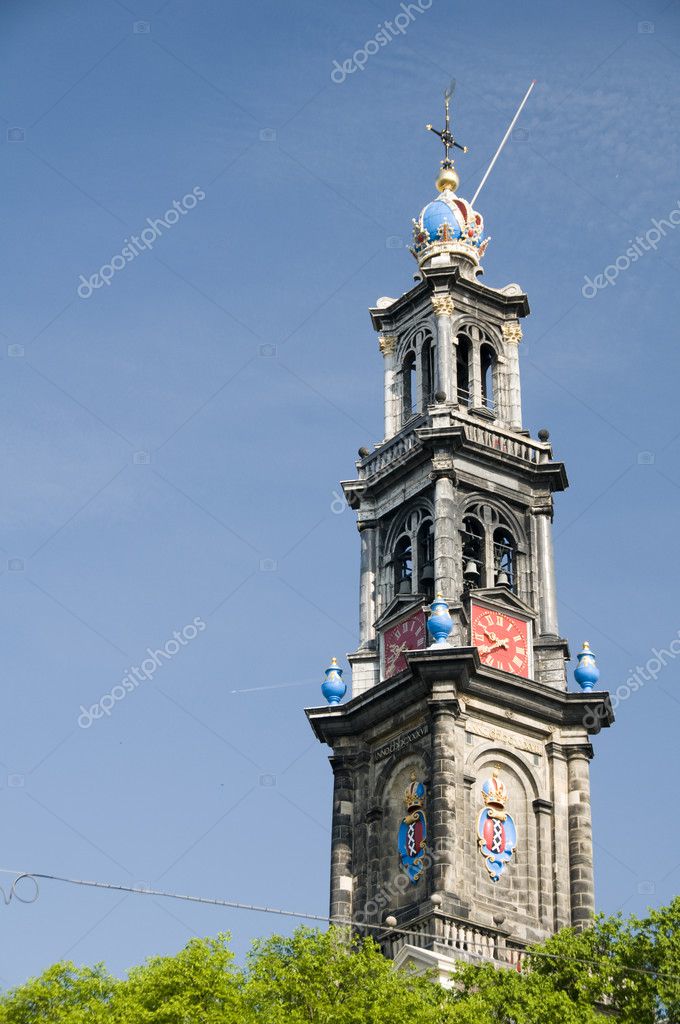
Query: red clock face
point(501, 639)
point(408, 635)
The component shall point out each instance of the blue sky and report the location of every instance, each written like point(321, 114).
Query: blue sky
point(237, 357)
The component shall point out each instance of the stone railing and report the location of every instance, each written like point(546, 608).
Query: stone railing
point(458, 939)
point(387, 453)
point(505, 442)
point(508, 444)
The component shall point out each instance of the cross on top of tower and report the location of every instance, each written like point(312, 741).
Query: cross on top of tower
point(446, 134)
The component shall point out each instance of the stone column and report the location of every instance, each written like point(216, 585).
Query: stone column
point(445, 546)
point(558, 765)
point(475, 371)
point(545, 563)
point(442, 796)
point(388, 344)
point(446, 366)
point(342, 884)
point(546, 900)
point(374, 819)
point(512, 413)
point(582, 889)
point(367, 583)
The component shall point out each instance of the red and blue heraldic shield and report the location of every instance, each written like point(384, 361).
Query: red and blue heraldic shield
point(497, 841)
point(412, 841)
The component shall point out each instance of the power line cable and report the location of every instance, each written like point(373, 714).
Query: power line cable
point(300, 915)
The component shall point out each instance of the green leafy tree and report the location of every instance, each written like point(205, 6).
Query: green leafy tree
point(626, 968)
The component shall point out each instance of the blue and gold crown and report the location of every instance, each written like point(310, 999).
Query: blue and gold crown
point(494, 791)
point(448, 226)
point(414, 794)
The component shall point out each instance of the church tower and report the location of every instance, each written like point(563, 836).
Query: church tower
point(461, 807)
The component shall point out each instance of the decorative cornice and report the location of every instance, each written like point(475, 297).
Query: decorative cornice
point(387, 343)
point(442, 305)
point(512, 330)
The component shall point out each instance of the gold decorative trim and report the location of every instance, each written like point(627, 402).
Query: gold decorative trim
point(442, 305)
point(512, 330)
point(387, 343)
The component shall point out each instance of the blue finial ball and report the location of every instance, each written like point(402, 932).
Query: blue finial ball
point(333, 687)
point(586, 672)
point(440, 623)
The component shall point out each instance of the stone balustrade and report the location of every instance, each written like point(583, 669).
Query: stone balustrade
point(458, 939)
point(503, 441)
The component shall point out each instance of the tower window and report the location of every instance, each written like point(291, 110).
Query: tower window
point(408, 377)
point(428, 375)
point(473, 553)
point(426, 558)
point(403, 566)
point(487, 358)
point(504, 558)
point(413, 553)
point(463, 369)
point(488, 549)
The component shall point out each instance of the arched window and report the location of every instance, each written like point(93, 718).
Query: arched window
point(426, 558)
point(504, 558)
point(463, 369)
point(473, 553)
point(413, 553)
point(487, 357)
point(427, 372)
point(488, 549)
point(408, 379)
point(403, 566)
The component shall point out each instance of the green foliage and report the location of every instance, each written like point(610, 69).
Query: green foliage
point(632, 964)
point(629, 968)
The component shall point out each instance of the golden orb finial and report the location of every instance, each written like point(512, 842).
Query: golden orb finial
point(448, 179)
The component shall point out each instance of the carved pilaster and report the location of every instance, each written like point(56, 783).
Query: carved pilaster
point(443, 307)
point(388, 346)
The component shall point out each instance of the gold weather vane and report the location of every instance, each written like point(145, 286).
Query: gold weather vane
point(446, 135)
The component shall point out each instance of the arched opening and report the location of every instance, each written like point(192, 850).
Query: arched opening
point(463, 369)
point(403, 566)
point(473, 553)
point(408, 379)
point(487, 358)
point(426, 558)
point(504, 558)
point(427, 372)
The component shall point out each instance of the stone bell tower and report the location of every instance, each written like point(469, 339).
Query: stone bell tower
point(461, 808)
